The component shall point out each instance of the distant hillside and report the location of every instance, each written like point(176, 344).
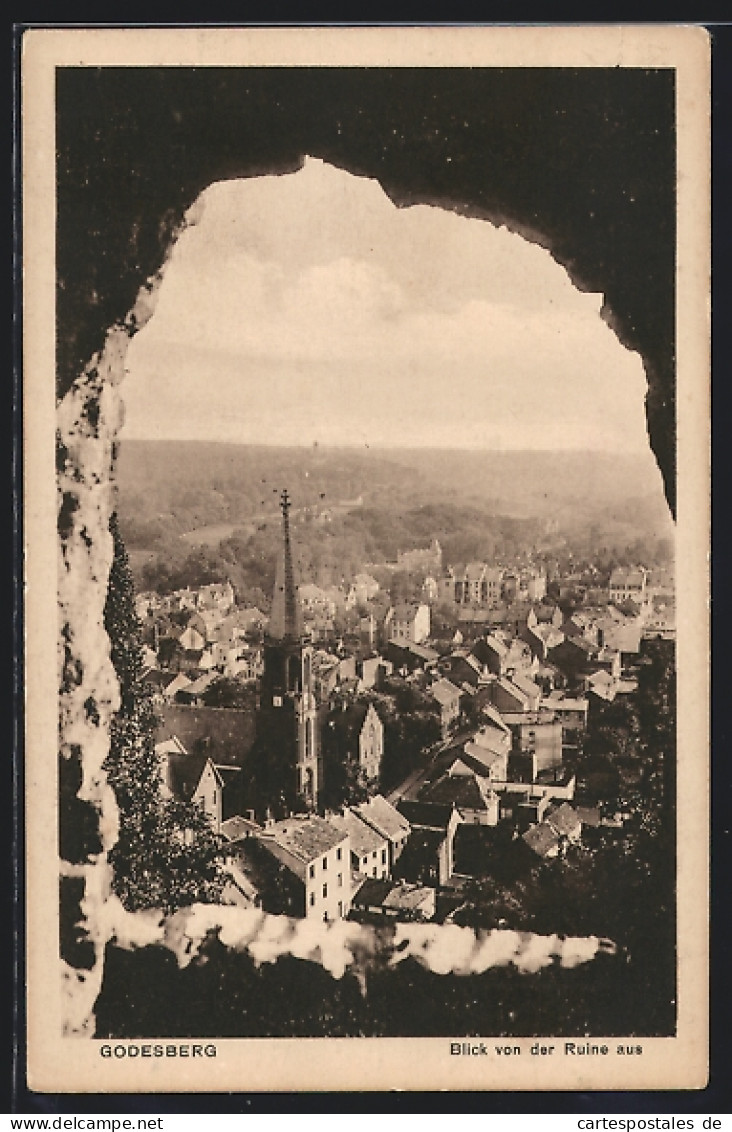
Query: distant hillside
point(177, 487)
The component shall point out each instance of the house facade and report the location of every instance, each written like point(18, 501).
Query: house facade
point(316, 859)
point(628, 584)
point(409, 621)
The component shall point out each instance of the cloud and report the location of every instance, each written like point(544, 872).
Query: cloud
point(361, 315)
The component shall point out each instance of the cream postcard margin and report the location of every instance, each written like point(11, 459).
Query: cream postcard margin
point(73, 1064)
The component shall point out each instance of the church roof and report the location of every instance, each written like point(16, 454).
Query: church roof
point(304, 837)
point(285, 621)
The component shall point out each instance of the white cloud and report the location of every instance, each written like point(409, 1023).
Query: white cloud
point(308, 306)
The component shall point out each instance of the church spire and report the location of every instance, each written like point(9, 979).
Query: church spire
point(286, 619)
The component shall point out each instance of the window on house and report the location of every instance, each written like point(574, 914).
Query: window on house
point(325, 863)
point(338, 854)
point(312, 899)
point(340, 880)
point(383, 856)
point(311, 870)
point(373, 871)
point(325, 890)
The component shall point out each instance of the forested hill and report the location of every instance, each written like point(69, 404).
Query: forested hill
point(187, 485)
point(196, 512)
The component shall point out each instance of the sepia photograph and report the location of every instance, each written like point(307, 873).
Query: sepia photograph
point(367, 406)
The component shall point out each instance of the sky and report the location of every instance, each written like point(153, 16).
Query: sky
point(307, 307)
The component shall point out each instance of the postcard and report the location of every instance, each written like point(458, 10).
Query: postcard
point(366, 505)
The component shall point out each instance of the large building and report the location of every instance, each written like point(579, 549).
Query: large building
point(287, 723)
point(313, 878)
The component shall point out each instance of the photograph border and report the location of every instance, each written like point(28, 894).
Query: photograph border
point(682, 1059)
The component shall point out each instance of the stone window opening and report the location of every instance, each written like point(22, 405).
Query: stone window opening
point(92, 349)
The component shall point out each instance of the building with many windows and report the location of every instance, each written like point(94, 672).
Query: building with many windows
point(310, 873)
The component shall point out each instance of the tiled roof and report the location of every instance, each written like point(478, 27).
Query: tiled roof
point(493, 642)
point(541, 838)
point(463, 791)
point(177, 684)
point(444, 691)
point(484, 755)
point(494, 716)
point(234, 828)
point(200, 685)
point(408, 897)
point(601, 683)
point(528, 687)
point(364, 838)
point(373, 891)
point(564, 820)
point(384, 818)
point(428, 814)
point(305, 838)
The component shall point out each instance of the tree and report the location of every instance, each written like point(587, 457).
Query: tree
point(228, 692)
point(167, 855)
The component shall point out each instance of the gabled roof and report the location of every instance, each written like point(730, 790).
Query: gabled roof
point(463, 791)
point(185, 772)
point(422, 849)
point(564, 820)
point(558, 702)
point(408, 897)
point(171, 746)
point(422, 651)
point(542, 839)
point(197, 687)
point(177, 684)
point(155, 676)
point(628, 575)
point(578, 642)
point(511, 688)
point(349, 724)
point(588, 815)
point(495, 644)
point(546, 632)
point(444, 691)
point(237, 827)
point(364, 838)
point(525, 685)
point(383, 817)
point(304, 837)
point(310, 592)
point(601, 683)
point(494, 716)
point(407, 610)
point(485, 757)
point(428, 815)
point(373, 891)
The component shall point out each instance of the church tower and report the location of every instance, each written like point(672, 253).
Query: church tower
point(287, 728)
